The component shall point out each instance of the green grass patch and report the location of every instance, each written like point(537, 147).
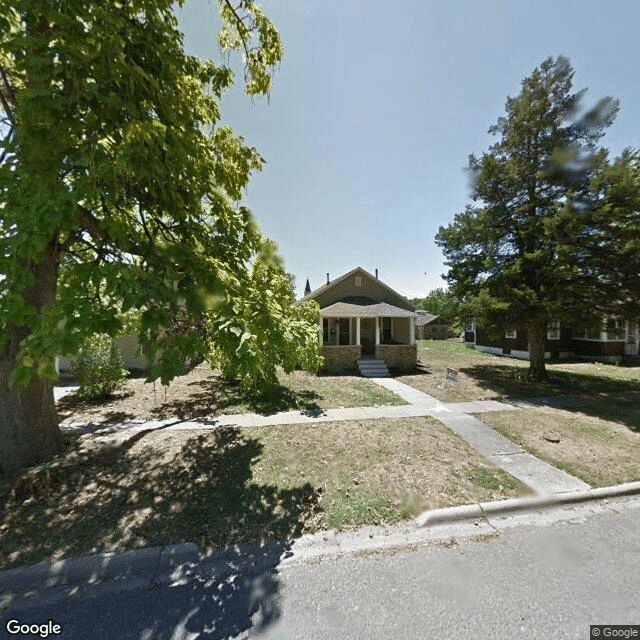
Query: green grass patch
point(484, 376)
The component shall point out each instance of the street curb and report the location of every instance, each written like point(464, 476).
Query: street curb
point(503, 507)
point(103, 566)
point(158, 561)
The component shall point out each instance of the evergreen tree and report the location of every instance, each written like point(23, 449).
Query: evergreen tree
point(512, 254)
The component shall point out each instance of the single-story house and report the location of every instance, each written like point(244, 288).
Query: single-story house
point(616, 341)
point(363, 318)
point(432, 327)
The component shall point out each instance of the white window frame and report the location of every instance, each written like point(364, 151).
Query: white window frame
point(620, 325)
point(553, 330)
point(512, 334)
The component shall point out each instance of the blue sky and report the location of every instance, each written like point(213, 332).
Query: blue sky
point(377, 106)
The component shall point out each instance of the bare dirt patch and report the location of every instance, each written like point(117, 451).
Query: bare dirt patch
point(223, 486)
point(202, 393)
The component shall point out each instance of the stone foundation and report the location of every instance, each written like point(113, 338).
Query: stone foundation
point(398, 355)
point(344, 356)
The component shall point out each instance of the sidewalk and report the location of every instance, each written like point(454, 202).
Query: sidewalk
point(539, 476)
point(559, 498)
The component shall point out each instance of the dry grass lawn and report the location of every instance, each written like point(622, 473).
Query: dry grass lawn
point(599, 442)
point(202, 393)
point(222, 486)
point(483, 376)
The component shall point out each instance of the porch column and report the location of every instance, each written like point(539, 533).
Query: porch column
point(350, 337)
point(358, 330)
point(377, 331)
point(412, 330)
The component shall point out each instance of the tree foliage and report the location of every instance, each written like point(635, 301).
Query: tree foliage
point(99, 367)
point(261, 330)
point(117, 177)
point(441, 302)
point(523, 253)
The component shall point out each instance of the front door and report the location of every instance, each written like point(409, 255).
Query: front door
point(368, 336)
point(631, 343)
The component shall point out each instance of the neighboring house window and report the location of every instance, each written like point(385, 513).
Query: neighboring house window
point(510, 333)
point(358, 281)
point(553, 331)
point(615, 329)
point(471, 327)
point(580, 333)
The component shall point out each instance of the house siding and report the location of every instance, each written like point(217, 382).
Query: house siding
point(128, 346)
point(370, 288)
point(435, 332)
point(564, 346)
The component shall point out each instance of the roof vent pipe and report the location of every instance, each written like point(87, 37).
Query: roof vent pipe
point(376, 274)
point(327, 278)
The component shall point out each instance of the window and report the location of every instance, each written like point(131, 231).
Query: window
point(385, 326)
point(471, 327)
point(510, 333)
point(358, 281)
point(343, 329)
point(553, 331)
point(588, 333)
point(615, 329)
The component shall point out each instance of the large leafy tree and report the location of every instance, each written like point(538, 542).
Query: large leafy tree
point(519, 255)
point(259, 330)
point(119, 189)
point(440, 302)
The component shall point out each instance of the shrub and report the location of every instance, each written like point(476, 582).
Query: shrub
point(99, 367)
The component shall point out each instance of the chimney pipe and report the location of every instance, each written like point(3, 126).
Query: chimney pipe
point(376, 274)
point(327, 278)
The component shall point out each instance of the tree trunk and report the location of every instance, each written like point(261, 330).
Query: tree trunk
point(537, 341)
point(29, 430)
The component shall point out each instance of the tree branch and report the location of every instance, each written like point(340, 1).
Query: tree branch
point(240, 21)
point(6, 96)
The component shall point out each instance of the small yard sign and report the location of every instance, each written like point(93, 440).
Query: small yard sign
point(452, 374)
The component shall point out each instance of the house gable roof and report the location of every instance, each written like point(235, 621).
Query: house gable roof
point(388, 295)
point(424, 318)
point(354, 306)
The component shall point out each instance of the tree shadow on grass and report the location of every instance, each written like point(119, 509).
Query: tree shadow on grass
point(157, 488)
point(421, 369)
point(215, 396)
point(75, 403)
point(598, 396)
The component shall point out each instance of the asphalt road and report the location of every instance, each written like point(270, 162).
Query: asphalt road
point(527, 576)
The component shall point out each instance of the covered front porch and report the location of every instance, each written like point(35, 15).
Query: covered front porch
point(354, 330)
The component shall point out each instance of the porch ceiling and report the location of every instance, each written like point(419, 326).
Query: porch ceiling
point(363, 307)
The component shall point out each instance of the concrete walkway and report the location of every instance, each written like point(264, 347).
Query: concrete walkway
point(540, 476)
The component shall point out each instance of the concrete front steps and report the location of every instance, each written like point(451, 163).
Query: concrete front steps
point(372, 368)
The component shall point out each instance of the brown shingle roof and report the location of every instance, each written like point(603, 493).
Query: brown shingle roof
point(353, 306)
point(424, 318)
